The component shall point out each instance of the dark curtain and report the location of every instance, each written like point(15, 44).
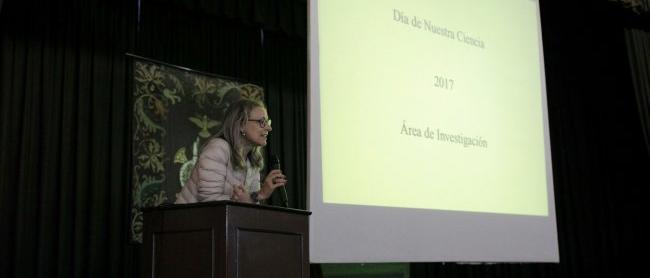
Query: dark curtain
point(286, 16)
point(286, 82)
point(64, 139)
point(199, 41)
point(638, 49)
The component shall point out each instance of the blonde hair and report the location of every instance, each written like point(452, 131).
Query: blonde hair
point(231, 131)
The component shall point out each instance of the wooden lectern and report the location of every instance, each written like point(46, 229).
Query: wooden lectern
point(225, 239)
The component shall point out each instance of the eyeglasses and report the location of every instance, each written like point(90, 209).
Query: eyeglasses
point(263, 122)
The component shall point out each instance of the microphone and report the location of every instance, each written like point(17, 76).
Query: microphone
point(275, 165)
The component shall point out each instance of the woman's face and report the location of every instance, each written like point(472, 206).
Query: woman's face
point(258, 127)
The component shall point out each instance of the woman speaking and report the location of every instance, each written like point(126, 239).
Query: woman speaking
point(228, 165)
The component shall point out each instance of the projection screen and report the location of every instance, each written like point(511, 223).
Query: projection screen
point(428, 132)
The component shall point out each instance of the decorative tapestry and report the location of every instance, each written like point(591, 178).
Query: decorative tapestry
point(174, 111)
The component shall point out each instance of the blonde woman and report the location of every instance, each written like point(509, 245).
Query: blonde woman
point(228, 167)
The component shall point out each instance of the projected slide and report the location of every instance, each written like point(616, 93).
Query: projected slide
point(432, 105)
point(428, 134)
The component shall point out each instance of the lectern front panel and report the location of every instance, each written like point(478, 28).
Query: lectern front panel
point(184, 254)
point(268, 254)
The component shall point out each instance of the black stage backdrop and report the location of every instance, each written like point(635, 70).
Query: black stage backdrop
point(65, 123)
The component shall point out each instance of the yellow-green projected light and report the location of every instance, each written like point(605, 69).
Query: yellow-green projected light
point(423, 108)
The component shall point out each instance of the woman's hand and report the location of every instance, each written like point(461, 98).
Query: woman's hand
point(239, 194)
point(272, 181)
